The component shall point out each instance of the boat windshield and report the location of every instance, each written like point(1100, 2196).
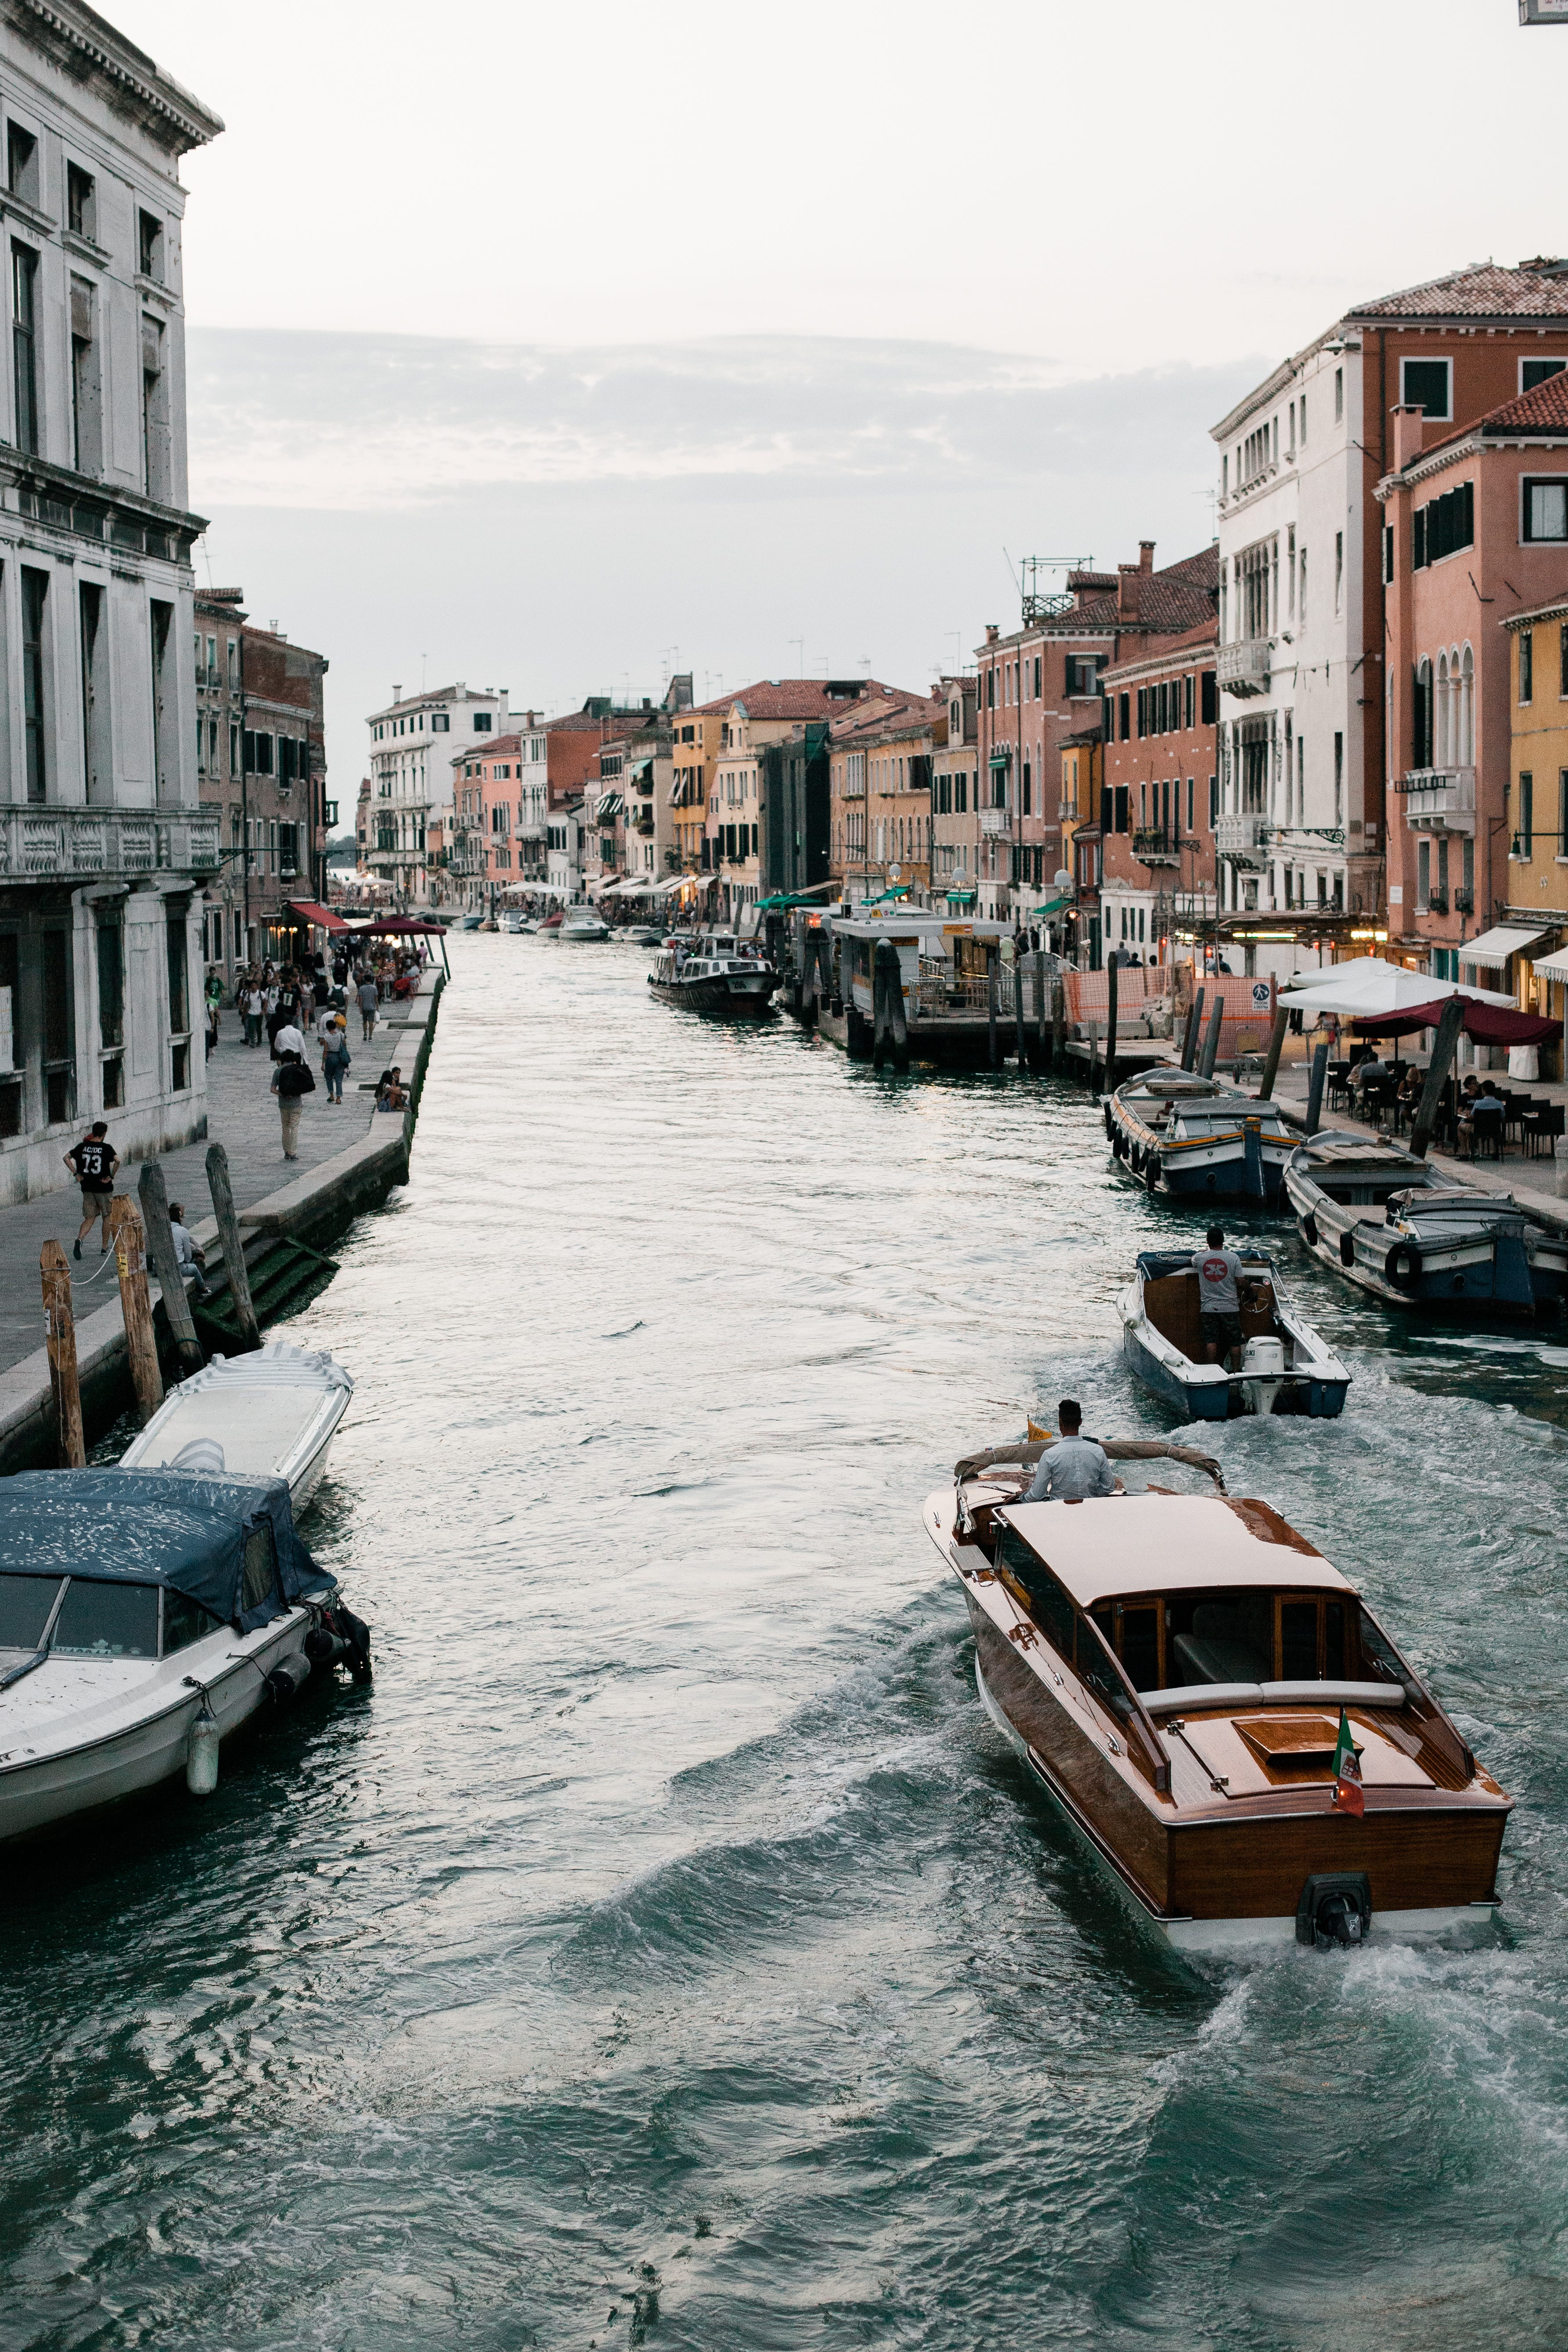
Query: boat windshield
point(107, 1620)
point(24, 1605)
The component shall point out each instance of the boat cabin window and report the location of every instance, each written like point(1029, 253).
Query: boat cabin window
point(1029, 1580)
point(1132, 1629)
point(107, 1620)
point(1242, 1637)
point(257, 1582)
point(24, 1605)
point(185, 1622)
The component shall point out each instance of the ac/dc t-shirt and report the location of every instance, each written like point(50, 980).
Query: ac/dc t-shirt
point(1218, 1271)
point(94, 1162)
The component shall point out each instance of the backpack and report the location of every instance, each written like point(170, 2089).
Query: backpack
point(294, 1080)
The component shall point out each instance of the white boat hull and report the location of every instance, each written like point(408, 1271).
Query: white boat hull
point(273, 1414)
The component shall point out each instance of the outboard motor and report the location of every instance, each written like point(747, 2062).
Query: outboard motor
point(1263, 1371)
point(1335, 1910)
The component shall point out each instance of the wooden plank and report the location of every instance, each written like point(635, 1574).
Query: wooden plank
point(59, 1323)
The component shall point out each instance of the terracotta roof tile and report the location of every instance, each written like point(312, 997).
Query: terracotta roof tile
point(789, 697)
point(1543, 410)
point(1486, 291)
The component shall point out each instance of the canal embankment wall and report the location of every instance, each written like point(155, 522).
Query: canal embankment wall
point(316, 1207)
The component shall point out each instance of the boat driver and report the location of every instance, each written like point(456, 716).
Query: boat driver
point(1219, 1273)
point(1074, 1467)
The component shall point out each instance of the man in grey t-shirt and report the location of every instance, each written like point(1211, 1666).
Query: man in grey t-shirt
point(1218, 1270)
point(1074, 1467)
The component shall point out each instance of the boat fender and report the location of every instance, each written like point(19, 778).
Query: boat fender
point(1335, 1908)
point(1151, 1171)
point(1110, 1122)
point(323, 1647)
point(1309, 1230)
point(1347, 1249)
point(1403, 1265)
point(200, 1752)
point(289, 1677)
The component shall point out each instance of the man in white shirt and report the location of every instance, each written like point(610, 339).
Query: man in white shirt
point(1074, 1467)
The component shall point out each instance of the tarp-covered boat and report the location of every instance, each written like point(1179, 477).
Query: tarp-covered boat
point(1406, 1231)
point(1199, 1139)
point(145, 1615)
point(272, 1414)
point(1282, 1366)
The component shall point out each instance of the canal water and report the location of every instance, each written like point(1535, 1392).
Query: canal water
point(667, 1950)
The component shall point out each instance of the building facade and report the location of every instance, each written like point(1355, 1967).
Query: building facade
point(104, 848)
point(1303, 674)
point(883, 762)
point(416, 742)
point(955, 800)
point(1158, 800)
point(262, 772)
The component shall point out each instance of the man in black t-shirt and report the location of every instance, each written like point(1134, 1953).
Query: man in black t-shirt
point(92, 1164)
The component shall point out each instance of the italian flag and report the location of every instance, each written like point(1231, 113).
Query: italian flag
point(1349, 1795)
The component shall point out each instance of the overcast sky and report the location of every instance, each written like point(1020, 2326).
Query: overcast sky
point(536, 345)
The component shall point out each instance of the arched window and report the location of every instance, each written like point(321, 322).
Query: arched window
point(1464, 750)
point(1444, 714)
point(1422, 717)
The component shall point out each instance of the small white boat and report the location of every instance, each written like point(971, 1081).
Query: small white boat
point(511, 921)
point(271, 1414)
point(1284, 1365)
point(1199, 1139)
point(145, 1615)
point(581, 924)
point(642, 935)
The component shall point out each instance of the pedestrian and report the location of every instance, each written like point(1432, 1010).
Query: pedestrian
point(190, 1260)
point(214, 1004)
point(93, 1163)
point(335, 1057)
point(290, 1081)
point(285, 1012)
point(253, 1007)
point(369, 998)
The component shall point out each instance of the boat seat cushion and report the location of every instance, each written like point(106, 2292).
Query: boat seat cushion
point(1171, 1303)
point(1219, 1659)
point(1186, 1695)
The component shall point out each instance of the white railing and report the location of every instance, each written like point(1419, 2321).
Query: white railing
point(46, 841)
point(1437, 800)
point(1241, 836)
point(995, 820)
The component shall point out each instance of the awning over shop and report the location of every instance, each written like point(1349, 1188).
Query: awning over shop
point(310, 910)
point(961, 898)
point(1494, 948)
point(1051, 907)
point(1554, 966)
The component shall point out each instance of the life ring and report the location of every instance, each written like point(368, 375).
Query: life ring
point(1309, 1230)
point(1402, 1266)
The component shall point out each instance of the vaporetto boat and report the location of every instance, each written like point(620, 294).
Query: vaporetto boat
point(1283, 1365)
point(714, 973)
point(1411, 1233)
point(1197, 1138)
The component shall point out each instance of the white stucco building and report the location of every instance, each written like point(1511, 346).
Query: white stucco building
point(103, 845)
point(1292, 835)
point(414, 741)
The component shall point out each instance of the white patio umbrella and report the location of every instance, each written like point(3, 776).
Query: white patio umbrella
point(1370, 986)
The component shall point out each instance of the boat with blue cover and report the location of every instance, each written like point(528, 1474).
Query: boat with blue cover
point(1199, 1139)
point(145, 1616)
point(1411, 1233)
point(1283, 1365)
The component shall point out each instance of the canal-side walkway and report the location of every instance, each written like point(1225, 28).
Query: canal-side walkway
point(242, 1115)
point(1532, 1179)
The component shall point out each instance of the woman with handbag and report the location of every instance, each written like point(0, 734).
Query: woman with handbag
point(290, 1081)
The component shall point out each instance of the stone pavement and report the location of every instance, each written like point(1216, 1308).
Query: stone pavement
point(242, 1115)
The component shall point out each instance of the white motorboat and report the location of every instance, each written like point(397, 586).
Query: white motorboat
point(273, 1414)
point(1199, 1139)
point(1283, 1365)
point(511, 921)
point(581, 924)
point(642, 935)
point(145, 1615)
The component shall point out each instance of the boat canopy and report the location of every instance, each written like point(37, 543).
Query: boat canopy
point(173, 1528)
point(1116, 1544)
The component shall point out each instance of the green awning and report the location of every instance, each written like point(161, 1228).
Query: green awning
point(1051, 907)
point(961, 898)
point(1002, 759)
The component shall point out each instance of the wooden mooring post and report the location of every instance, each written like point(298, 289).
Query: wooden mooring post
point(166, 1266)
point(1113, 972)
point(1020, 1027)
point(1190, 1042)
point(1211, 1043)
point(1043, 1056)
point(136, 1305)
point(1315, 1087)
point(1094, 1057)
point(1059, 1022)
point(232, 1246)
point(1276, 1047)
point(59, 1326)
point(1444, 1045)
point(991, 964)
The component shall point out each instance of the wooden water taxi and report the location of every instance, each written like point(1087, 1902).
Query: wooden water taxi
point(1199, 1139)
point(714, 972)
point(1173, 1669)
point(1283, 1365)
point(1411, 1234)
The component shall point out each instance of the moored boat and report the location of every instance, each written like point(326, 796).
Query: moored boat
point(1176, 1671)
point(642, 935)
point(1199, 1139)
point(1282, 1366)
point(1411, 1233)
point(580, 924)
point(714, 972)
point(272, 1414)
point(145, 1615)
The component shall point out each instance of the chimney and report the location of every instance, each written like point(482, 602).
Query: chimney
point(1145, 555)
point(1128, 587)
point(991, 632)
point(1408, 420)
point(397, 694)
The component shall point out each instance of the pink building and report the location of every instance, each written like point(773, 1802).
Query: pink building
point(1474, 528)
